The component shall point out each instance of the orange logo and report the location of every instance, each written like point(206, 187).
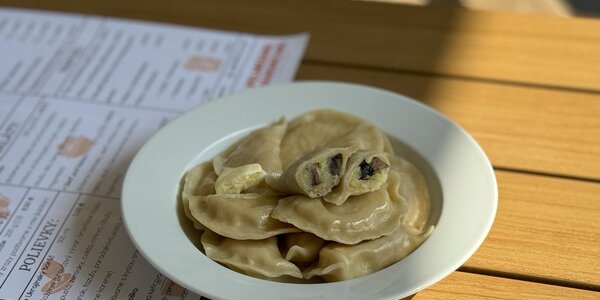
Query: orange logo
point(58, 278)
point(4, 211)
point(74, 146)
point(202, 63)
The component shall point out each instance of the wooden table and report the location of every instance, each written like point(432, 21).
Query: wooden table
point(527, 87)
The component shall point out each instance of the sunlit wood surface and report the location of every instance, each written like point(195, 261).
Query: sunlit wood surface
point(527, 87)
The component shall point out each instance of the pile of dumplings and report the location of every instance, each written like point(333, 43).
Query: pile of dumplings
point(321, 197)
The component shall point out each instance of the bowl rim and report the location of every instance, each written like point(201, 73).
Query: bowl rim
point(143, 190)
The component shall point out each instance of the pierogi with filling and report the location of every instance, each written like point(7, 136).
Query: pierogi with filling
point(320, 196)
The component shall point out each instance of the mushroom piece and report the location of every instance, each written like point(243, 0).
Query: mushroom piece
point(365, 172)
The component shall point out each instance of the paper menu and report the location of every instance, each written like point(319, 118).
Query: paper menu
point(79, 95)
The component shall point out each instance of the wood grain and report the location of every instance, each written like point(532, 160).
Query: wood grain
point(546, 228)
point(460, 286)
point(536, 129)
point(501, 46)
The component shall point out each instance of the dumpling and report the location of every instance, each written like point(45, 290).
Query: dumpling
point(411, 186)
point(365, 172)
point(322, 197)
point(237, 180)
point(314, 130)
point(302, 248)
point(261, 146)
point(366, 135)
point(342, 262)
point(328, 128)
point(199, 181)
point(315, 174)
point(239, 216)
point(387, 145)
point(252, 257)
point(360, 218)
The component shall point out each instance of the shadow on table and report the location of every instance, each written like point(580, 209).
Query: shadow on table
point(406, 51)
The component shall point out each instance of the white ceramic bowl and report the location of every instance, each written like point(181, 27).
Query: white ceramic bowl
point(461, 183)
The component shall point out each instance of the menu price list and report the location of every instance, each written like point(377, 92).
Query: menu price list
point(79, 96)
point(72, 246)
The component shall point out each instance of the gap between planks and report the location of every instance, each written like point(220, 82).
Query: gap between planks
point(546, 174)
point(530, 278)
point(462, 285)
point(343, 65)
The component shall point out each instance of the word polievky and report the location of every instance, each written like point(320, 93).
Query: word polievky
point(38, 246)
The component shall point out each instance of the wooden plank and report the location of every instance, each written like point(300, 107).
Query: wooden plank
point(460, 286)
point(544, 130)
point(521, 127)
point(492, 45)
point(545, 228)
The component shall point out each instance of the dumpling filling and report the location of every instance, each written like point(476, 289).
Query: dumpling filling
point(366, 171)
point(315, 174)
point(237, 180)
